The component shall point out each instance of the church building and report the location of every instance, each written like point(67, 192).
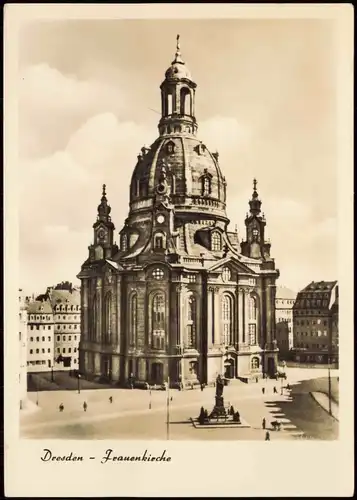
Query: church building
point(180, 297)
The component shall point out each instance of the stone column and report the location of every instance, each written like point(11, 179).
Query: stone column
point(210, 314)
point(268, 315)
point(118, 305)
point(240, 317)
point(142, 369)
point(98, 336)
point(176, 100)
point(216, 318)
point(97, 363)
point(115, 368)
point(179, 338)
point(84, 312)
point(246, 316)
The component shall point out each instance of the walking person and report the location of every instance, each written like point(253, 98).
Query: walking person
point(85, 406)
point(263, 390)
point(61, 407)
point(110, 399)
point(274, 390)
point(264, 423)
point(267, 436)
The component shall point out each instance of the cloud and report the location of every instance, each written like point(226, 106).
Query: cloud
point(73, 139)
point(52, 105)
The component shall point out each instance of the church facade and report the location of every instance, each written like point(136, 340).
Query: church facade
point(180, 297)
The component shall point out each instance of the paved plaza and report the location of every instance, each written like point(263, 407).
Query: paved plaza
point(137, 414)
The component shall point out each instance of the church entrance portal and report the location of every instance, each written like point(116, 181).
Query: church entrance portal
point(229, 368)
point(271, 367)
point(157, 373)
point(106, 368)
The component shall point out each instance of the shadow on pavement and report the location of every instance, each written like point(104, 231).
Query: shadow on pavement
point(304, 413)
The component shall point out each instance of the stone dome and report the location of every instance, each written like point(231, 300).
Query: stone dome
point(193, 175)
point(178, 70)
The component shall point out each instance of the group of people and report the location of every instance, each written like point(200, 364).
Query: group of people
point(275, 391)
point(85, 405)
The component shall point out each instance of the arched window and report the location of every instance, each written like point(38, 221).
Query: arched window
point(255, 363)
point(216, 242)
point(133, 319)
point(158, 321)
point(93, 323)
point(124, 242)
point(206, 185)
point(169, 104)
point(191, 321)
point(107, 317)
point(185, 102)
point(159, 241)
point(252, 317)
point(226, 274)
point(227, 322)
point(252, 308)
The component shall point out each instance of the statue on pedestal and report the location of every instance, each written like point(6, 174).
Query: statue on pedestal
point(218, 409)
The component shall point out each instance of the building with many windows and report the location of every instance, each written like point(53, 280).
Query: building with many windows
point(40, 329)
point(66, 305)
point(53, 331)
point(315, 315)
point(22, 349)
point(284, 302)
point(180, 297)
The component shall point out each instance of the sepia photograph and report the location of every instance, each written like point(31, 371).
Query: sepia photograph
point(178, 220)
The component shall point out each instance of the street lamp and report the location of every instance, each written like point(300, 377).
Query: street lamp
point(79, 379)
point(168, 410)
point(329, 384)
point(37, 391)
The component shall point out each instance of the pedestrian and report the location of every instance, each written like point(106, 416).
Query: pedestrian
point(201, 387)
point(274, 390)
point(263, 390)
point(111, 399)
point(171, 398)
point(267, 436)
point(256, 380)
point(85, 406)
point(263, 423)
point(61, 407)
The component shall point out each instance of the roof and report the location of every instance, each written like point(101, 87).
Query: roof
point(38, 306)
point(282, 292)
point(319, 286)
point(65, 297)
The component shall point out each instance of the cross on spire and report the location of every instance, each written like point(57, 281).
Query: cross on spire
point(255, 184)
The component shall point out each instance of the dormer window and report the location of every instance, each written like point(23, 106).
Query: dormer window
point(216, 243)
point(170, 148)
point(200, 148)
point(206, 184)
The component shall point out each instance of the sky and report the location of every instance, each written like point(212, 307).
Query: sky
point(89, 100)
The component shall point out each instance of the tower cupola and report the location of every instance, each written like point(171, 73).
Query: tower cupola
point(178, 98)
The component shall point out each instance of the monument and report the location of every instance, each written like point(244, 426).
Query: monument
point(219, 416)
point(219, 409)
